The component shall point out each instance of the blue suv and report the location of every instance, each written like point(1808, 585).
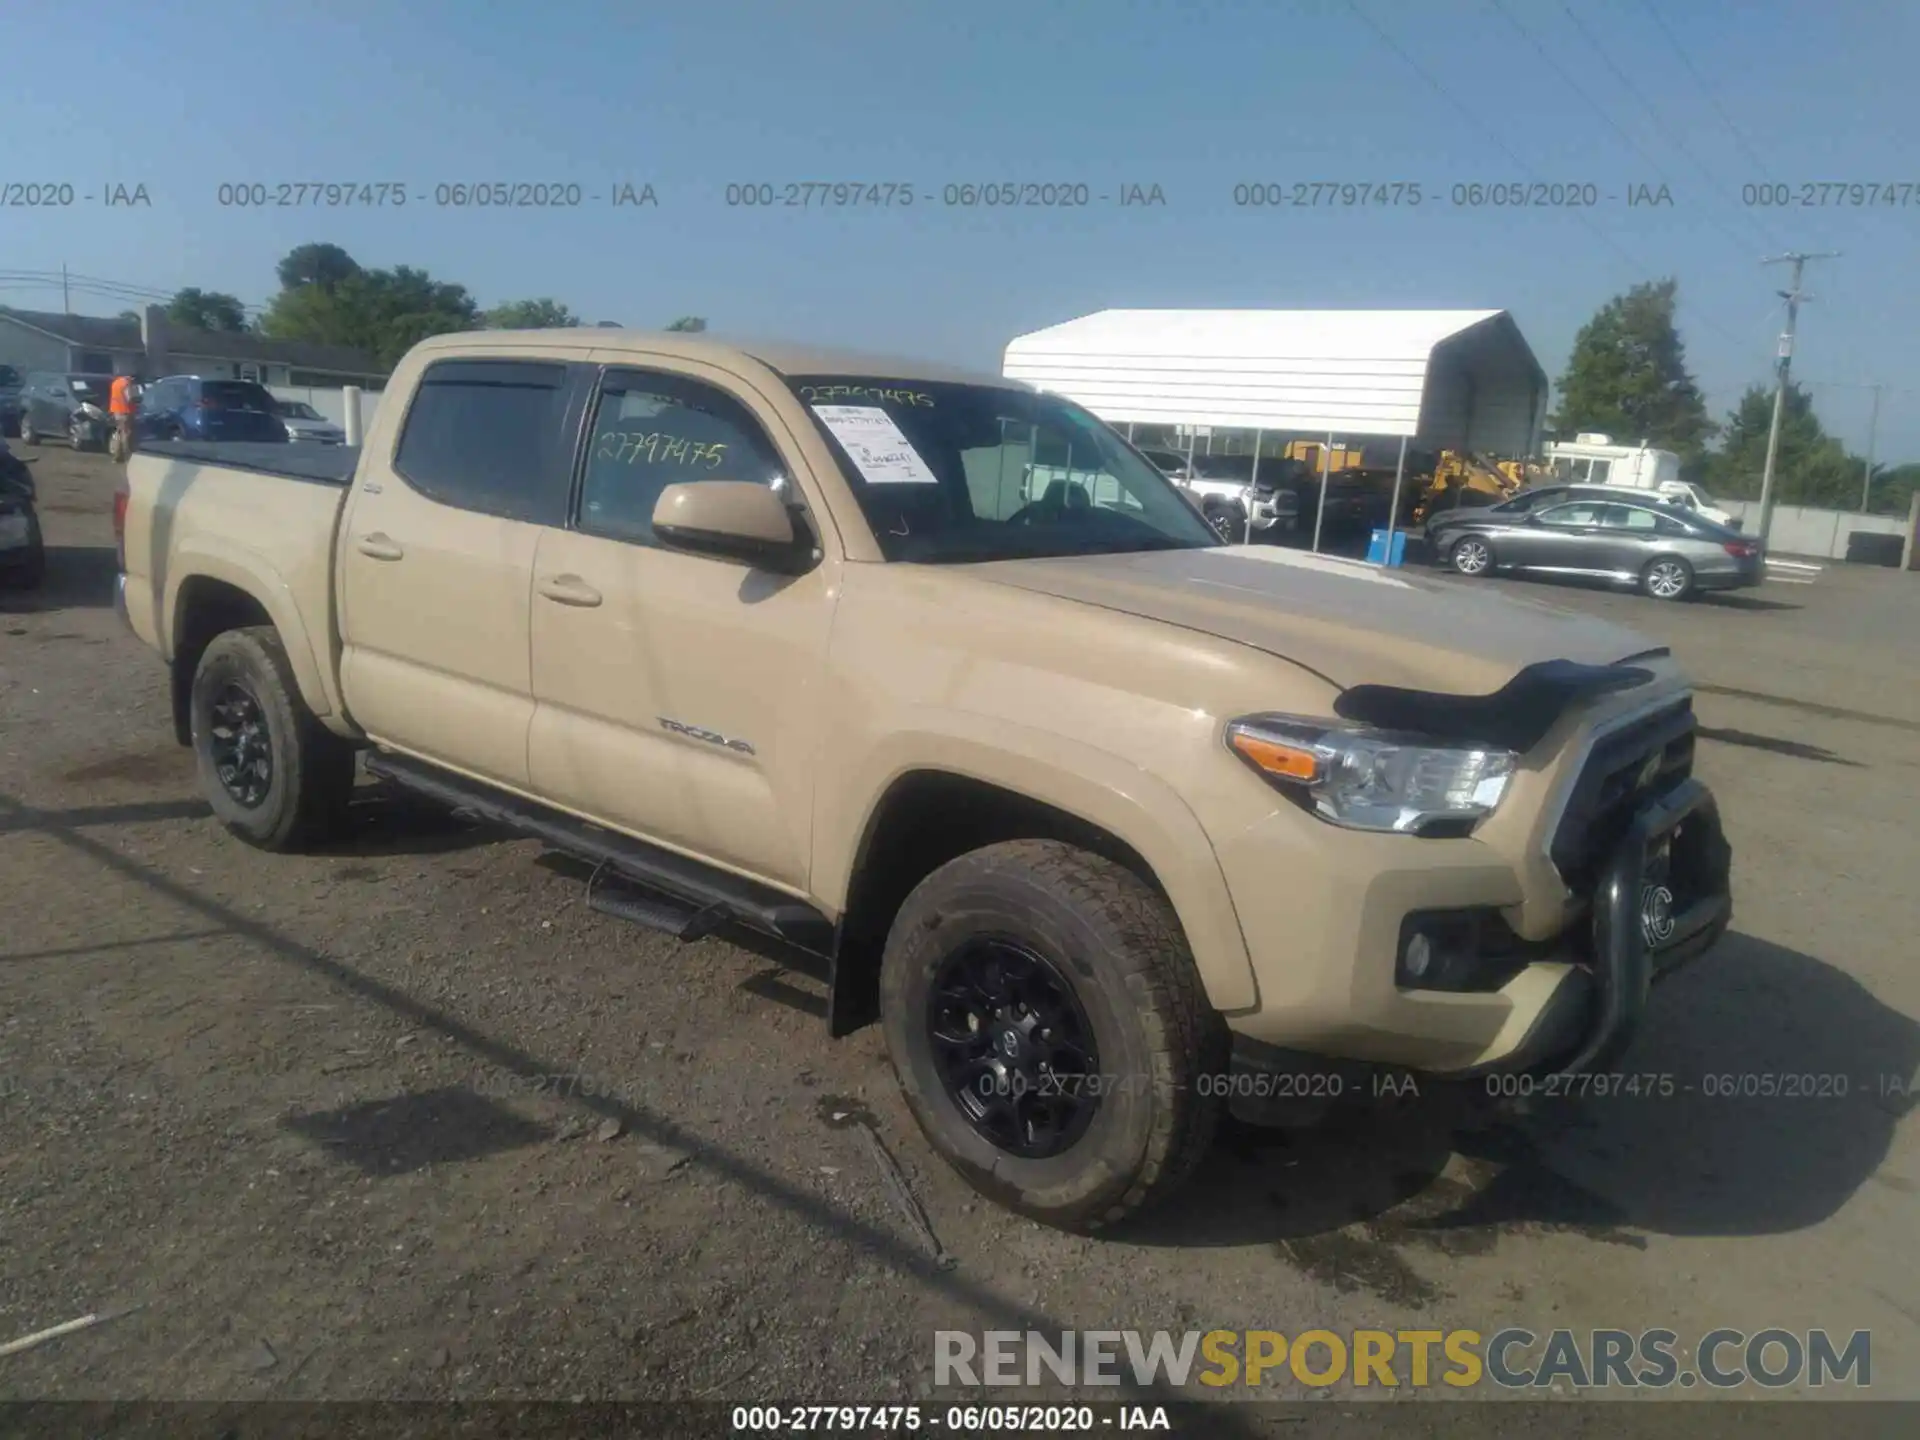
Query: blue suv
point(186, 407)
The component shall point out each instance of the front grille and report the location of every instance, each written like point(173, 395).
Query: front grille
point(1614, 783)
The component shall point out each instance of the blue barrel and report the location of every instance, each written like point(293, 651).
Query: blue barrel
point(1377, 548)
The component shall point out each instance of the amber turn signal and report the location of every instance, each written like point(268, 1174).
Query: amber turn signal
point(1285, 762)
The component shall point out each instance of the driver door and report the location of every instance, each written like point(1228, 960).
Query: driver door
point(677, 696)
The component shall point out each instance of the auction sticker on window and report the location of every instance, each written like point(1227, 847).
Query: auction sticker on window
point(879, 451)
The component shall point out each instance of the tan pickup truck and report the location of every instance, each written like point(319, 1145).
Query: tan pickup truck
point(1107, 823)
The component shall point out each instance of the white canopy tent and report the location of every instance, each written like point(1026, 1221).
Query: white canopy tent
point(1444, 379)
point(1440, 379)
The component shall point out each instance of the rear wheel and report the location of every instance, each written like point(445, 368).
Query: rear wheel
point(273, 774)
point(1049, 1031)
point(1471, 555)
point(1667, 578)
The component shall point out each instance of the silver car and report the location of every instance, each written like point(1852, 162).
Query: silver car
point(304, 423)
point(1662, 551)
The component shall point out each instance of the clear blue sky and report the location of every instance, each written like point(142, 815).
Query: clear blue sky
point(1194, 97)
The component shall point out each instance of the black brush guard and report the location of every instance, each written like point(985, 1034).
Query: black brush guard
point(1663, 897)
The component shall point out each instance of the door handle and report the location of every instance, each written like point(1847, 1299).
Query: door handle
point(568, 590)
point(378, 547)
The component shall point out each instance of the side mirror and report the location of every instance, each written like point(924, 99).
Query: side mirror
point(736, 519)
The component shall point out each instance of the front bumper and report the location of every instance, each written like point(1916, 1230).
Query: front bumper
point(1572, 1002)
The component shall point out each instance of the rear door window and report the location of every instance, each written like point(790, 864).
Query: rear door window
point(490, 435)
point(1581, 512)
point(1630, 517)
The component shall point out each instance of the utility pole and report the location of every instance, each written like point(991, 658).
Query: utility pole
point(66, 300)
point(1873, 433)
point(1798, 259)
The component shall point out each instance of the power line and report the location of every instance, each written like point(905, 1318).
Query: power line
point(1600, 110)
point(1626, 83)
point(1706, 92)
point(1640, 266)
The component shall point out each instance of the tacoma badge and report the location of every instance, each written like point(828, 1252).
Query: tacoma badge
point(712, 737)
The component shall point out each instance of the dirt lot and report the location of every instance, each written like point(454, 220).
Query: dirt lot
point(292, 1106)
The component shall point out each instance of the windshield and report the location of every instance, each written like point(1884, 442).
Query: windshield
point(299, 410)
point(950, 473)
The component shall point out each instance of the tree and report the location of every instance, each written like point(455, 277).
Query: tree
point(322, 264)
point(133, 315)
point(1811, 468)
point(1893, 489)
point(690, 324)
point(531, 315)
point(207, 310)
point(382, 312)
point(1627, 376)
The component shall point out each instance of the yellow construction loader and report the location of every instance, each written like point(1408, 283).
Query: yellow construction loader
point(1461, 477)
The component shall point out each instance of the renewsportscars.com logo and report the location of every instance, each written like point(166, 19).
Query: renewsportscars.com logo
point(1512, 1358)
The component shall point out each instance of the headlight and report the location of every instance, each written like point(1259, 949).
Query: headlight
point(1369, 779)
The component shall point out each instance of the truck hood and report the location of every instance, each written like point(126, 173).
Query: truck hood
point(1351, 623)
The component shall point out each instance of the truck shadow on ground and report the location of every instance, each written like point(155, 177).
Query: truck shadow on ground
point(1771, 1085)
point(383, 819)
point(79, 577)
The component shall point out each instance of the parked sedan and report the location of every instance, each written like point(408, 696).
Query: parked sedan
point(1666, 553)
point(307, 425)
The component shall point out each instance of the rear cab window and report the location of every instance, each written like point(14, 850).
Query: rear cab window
point(491, 436)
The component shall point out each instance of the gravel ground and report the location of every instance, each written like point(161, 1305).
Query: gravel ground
point(303, 1110)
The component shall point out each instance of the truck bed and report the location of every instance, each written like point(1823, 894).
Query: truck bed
point(260, 519)
point(321, 464)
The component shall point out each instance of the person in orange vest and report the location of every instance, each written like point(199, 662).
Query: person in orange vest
point(122, 403)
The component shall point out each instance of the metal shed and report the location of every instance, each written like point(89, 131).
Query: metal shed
point(1444, 379)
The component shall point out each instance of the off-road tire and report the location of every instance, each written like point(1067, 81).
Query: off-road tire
point(312, 768)
point(1119, 945)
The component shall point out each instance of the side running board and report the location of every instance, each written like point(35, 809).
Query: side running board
point(631, 879)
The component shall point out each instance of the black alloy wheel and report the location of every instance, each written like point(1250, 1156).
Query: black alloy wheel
point(241, 746)
point(1014, 1048)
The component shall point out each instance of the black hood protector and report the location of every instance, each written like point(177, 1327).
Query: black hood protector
point(1514, 717)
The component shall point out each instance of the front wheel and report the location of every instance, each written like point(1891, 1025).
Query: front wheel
point(28, 435)
point(1227, 522)
point(1049, 1031)
point(79, 434)
point(1667, 578)
point(1471, 556)
point(273, 774)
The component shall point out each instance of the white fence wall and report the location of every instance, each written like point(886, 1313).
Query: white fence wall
point(1804, 530)
point(331, 403)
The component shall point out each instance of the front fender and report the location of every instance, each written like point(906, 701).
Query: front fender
point(1099, 788)
point(217, 558)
